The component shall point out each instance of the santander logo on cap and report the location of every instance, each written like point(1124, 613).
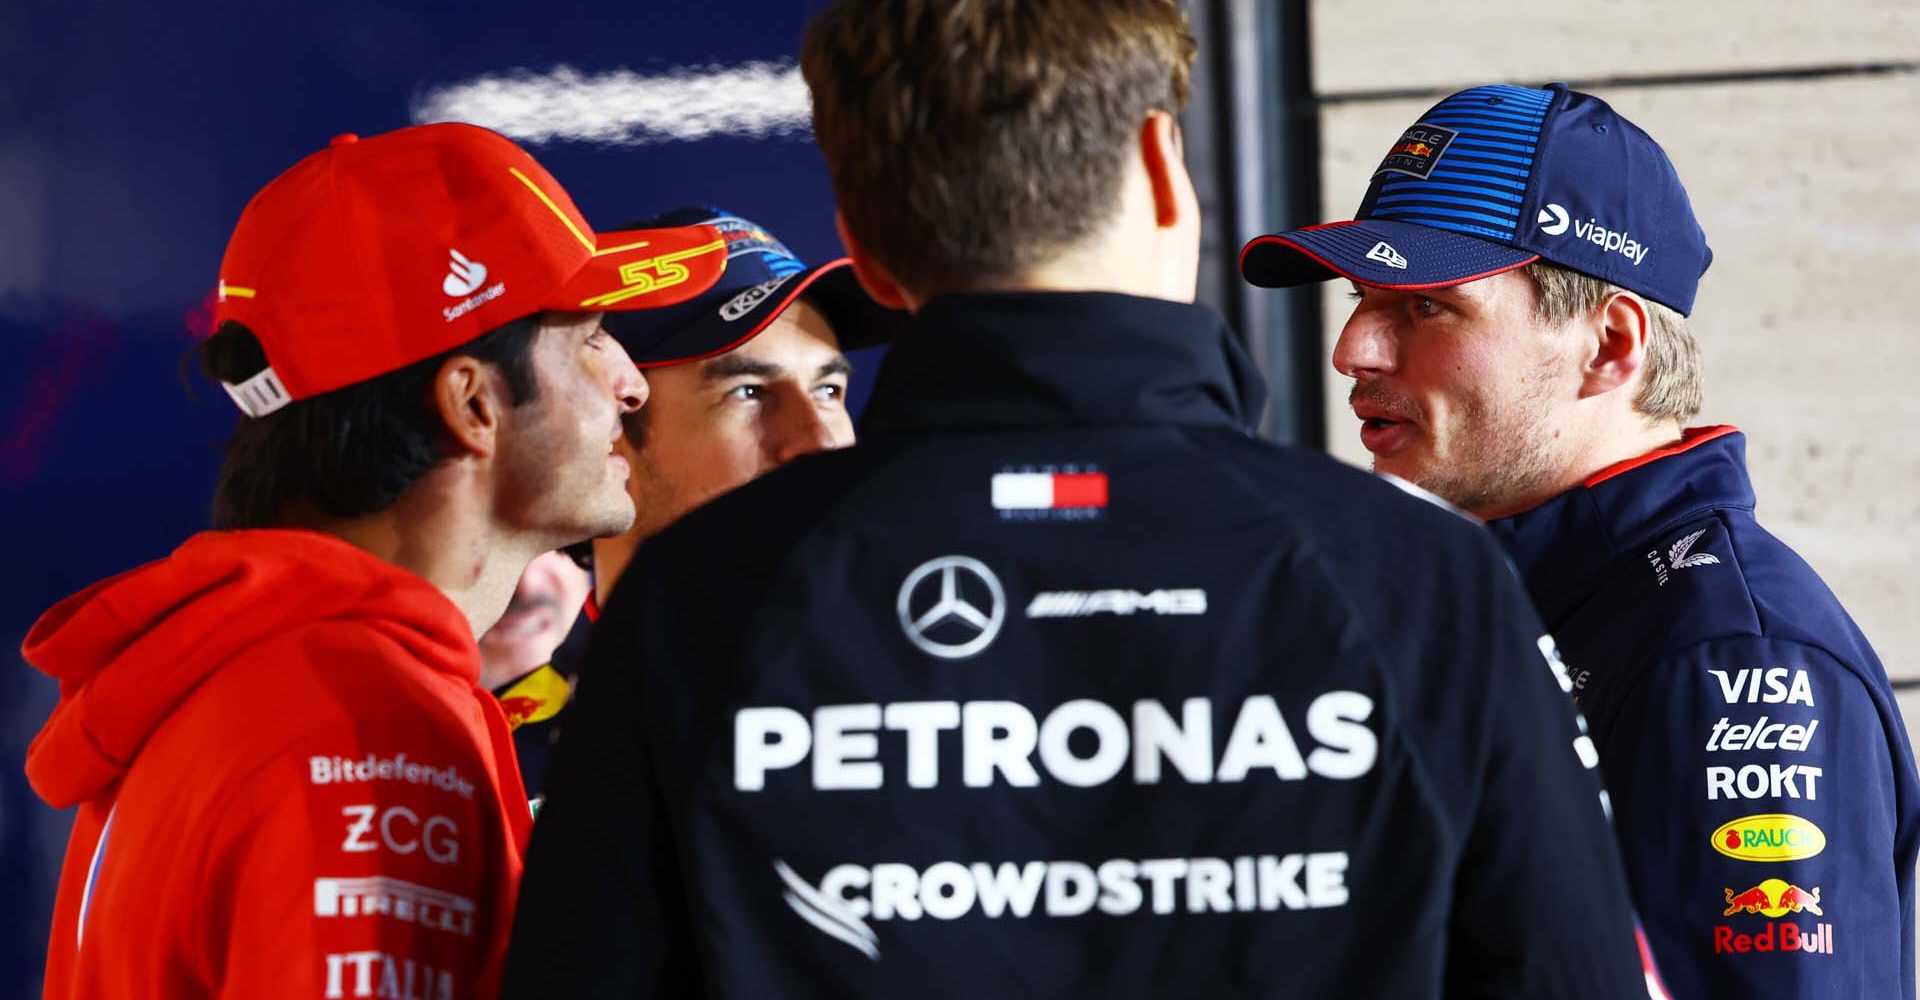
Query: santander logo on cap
point(465, 277)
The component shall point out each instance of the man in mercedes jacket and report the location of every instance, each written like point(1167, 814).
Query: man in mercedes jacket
point(1059, 682)
point(290, 782)
point(1523, 264)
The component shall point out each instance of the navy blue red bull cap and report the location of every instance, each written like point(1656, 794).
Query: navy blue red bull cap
point(1494, 178)
point(762, 278)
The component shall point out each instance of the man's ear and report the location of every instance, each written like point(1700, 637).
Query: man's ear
point(1617, 332)
point(468, 396)
point(873, 275)
point(1161, 154)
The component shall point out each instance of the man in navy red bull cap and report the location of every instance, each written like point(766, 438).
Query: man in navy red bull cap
point(766, 383)
point(1523, 265)
point(745, 377)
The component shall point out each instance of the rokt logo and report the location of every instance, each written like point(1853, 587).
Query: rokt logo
point(1386, 254)
point(1554, 220)
point(465, 276)
point(940, 607)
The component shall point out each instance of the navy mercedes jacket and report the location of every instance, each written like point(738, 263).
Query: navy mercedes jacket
point(1762, 784)
point(1062, 684)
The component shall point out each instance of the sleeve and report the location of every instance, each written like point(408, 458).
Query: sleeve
point(1541, 906)
point(368, 861)
point(1754, 787)
point(602, 911)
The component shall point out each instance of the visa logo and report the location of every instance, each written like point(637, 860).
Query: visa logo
point(1770, 686)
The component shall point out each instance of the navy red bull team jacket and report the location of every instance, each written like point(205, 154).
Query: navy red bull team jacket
point(1762, 783)
point(1062, 684)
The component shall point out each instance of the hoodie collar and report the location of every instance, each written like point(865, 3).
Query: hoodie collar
point(129, 650)
point(1057, 359)
point(1562, 544)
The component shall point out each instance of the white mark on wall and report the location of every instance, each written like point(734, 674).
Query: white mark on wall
point(624, 108)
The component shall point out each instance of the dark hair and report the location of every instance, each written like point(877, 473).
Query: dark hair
point(971, 139)
point(352, 451)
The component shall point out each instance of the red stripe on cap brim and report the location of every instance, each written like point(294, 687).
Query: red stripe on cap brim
point(767, 316)
point(1280, 239)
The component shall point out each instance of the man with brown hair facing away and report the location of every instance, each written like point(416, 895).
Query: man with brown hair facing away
point(1059, 683)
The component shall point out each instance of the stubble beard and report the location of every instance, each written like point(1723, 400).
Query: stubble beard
point(1501, 453)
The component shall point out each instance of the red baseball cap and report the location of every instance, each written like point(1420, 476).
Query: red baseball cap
point(375, 253)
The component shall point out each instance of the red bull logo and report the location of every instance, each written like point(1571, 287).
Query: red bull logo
point(537, 697)
point(1419, 149)
point(1775, 937)
point(1774, 898)
point(520, 710)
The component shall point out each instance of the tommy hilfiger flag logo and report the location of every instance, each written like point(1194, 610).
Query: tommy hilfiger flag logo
point(1049, 491)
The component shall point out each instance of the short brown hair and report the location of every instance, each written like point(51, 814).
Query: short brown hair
point(972, 139)
point(1671, 386)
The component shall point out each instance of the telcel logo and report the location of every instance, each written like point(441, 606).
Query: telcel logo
point(1769, 837)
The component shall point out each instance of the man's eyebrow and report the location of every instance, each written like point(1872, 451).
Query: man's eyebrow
point(728, 366)
point(837, 365)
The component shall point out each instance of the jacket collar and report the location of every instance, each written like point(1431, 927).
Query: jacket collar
point(1561, 545)
point(1046, 359)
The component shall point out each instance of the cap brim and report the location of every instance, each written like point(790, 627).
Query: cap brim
point(644, 269)
point(857, 320)
point(1377, 252)
point(719, 327)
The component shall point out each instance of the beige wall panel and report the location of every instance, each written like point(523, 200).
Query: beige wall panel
point(1374, 45)
point(1809, 318)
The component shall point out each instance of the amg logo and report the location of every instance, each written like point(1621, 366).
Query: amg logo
point(1087, 603)
point(391, 897)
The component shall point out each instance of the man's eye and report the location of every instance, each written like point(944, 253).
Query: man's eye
point(1426, 306)
point(744, 392)
point(830, 391)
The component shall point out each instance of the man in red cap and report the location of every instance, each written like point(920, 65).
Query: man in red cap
point(288, 777)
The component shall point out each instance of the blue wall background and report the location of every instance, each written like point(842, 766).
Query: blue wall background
point(131, 134)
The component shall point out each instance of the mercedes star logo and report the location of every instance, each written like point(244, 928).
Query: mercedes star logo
point(938, 608)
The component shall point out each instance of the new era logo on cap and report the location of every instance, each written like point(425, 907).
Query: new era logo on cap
point(1386, 254)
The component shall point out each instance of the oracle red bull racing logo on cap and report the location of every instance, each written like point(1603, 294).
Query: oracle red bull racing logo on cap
point(1769, 837)
point(1419, 148)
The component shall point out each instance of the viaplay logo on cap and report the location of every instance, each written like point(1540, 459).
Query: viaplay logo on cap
point(1554, 221)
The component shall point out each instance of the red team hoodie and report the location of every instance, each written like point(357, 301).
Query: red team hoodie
point(290, 782)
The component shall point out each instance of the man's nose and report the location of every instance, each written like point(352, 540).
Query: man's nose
point(629, 386)
point(803, 430)
point(1365, 347)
